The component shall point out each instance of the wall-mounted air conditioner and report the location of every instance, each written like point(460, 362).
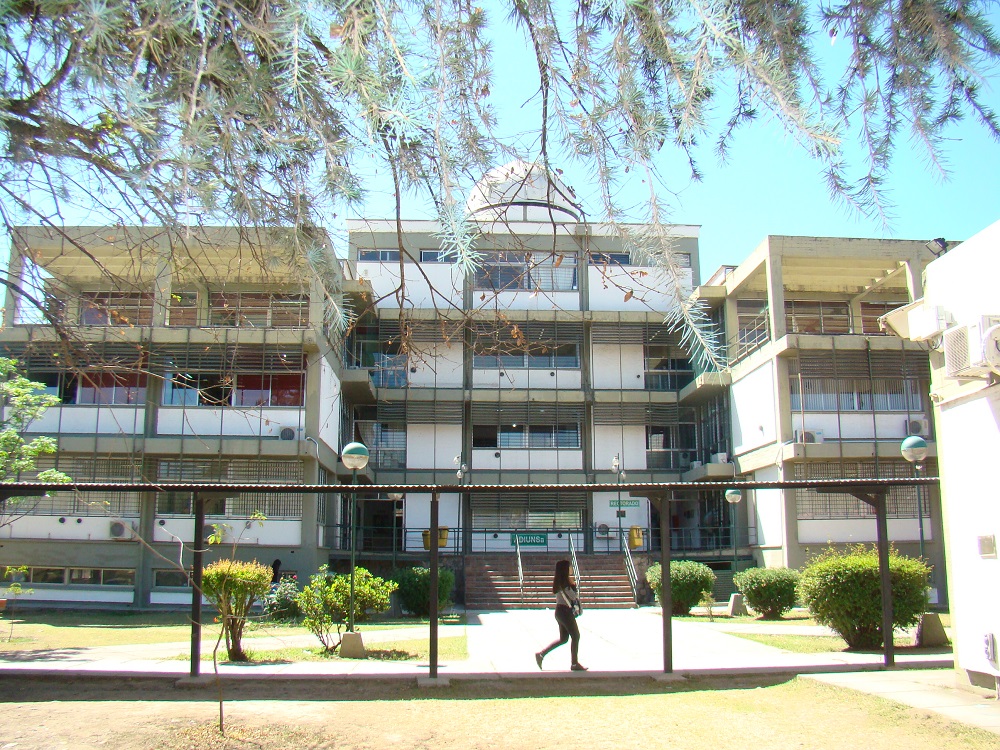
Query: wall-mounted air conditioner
point(121, 531)
point(809, 436)
point(972, 350)
point(287, 433)
point(719, 458)
point(603, 531)
point(684, 459)
point(917, 426)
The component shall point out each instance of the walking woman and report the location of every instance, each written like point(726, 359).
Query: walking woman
point(567, 607)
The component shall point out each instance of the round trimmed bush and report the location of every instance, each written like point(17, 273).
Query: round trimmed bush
point(770, 592)
point(689, 582)
point(414, 590)
point(843, 591)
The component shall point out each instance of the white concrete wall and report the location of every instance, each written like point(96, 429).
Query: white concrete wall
point(768, 509)
point(752, 409)
point(270, 532)
point(446, 280)
point(431, 446)
point(605, 507)
point(75, 528)
point(208, 422)
point(964, 283)
point(91, 420)
point(439, 367)
point(527, 458)
point(96, 594)
point(856, 425)
point(618, 367)
point(417, 517)
point(539, 378)
point(855, 530)
point(627, 441)
point(526, 300)
point(609, 286)
point(329, 405)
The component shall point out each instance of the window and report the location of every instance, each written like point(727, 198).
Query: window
point(505, 270)
point(432, 256)
point(48, 575)
point(815, 316)
point(216, 389)
point(537, 356)
point(526, 436)
point(183, 310)
point(258, 310)
point(170, 579)
point(61, 384)
point(609, 259)
point(386, 255)
point(112, 388)
point(112, 577)
point(269, 390)
point(857, 394)
point(667, 369)
point(872, 311)
point(116, 308)
point(84, 577)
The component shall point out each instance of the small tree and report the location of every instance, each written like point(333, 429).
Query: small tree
point(325, 600)
point(281, 601)
point(233, 586)
point(843, 591)
point(770, 592)
point(415, 589)
point(689, 582)
point(15, 590)
point(23, 402)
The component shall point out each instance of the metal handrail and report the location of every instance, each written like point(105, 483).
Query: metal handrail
point(633, 577)
point(520, 567)
point(576, 566)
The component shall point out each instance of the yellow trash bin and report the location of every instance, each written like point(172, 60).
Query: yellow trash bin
point(635, 537)
point(442, 537)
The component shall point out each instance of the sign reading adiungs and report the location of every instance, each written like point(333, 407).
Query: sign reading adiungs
point(529, 540)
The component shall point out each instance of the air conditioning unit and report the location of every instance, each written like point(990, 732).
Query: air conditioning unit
point(120, 530)
point(719, 458)
point(918, 426)
point(603, 531)
point(972, 350)
point(287, 433)
point(696, 464)
point(809, 436)
point(684, 459)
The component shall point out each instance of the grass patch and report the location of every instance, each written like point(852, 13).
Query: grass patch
point(821, 644)
point(418, 649)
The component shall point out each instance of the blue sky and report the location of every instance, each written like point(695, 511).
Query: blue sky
point(769, 185)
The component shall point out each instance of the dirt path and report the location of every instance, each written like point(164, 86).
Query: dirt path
point(780, 714)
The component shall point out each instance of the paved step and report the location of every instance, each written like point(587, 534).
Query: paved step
point(491, 581)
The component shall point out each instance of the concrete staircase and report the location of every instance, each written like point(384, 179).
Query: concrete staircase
point(491, 581)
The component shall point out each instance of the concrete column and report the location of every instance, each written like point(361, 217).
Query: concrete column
point(162, 284)
point(14, 270)
point(914, 277)
point(731, 330)
point(775, 293)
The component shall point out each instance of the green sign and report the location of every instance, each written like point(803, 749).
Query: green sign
point(624, 502)
point(529, 540)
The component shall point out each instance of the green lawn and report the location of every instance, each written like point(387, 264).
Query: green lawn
point(816, 644)
point(452, 648)
point(47, 630)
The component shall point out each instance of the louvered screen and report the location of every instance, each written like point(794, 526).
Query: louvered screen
point(538, 510)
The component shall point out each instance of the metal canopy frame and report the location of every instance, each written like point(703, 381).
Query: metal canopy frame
point(873, 492)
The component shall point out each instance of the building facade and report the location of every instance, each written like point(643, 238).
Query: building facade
point(219, 358)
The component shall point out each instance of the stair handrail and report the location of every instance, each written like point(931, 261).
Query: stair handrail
point(520, 567)
point(633, 577)
point(576, 565)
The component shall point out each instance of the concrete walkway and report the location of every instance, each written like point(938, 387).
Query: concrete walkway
point(614, 644)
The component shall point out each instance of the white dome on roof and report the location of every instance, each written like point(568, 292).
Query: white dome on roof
point(522, 191)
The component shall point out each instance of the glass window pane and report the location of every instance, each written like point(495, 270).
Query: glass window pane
point(540, 436)
point(287, 390)
point(170, 578)
point(484, 436)
point(512, 436)
point(84, 576)
point(117, 577)
point(48, 575)
point(567, 436)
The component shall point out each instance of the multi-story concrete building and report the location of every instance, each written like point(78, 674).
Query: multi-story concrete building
point(817, 390)
point(205, 357)
point(547, 363)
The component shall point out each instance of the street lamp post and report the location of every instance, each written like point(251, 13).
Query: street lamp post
point(914, 450)
point(355, 458)
point(616, 467)
point(733, 497)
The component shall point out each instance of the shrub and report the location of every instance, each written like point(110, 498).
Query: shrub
point(689, 582)
point(324, 602)
point(281, 602)
point(233, 586)
point(415, 589)
point(843, 591)
point(770, 592)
